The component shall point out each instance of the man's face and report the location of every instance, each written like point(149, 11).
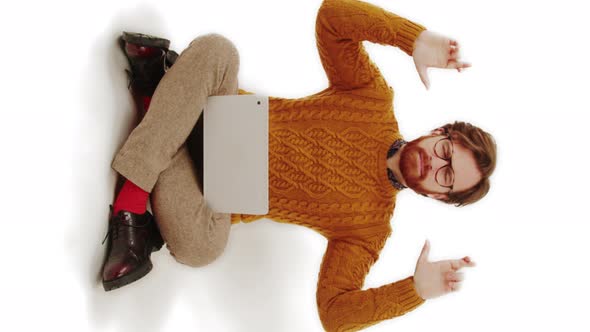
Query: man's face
point(420, 162)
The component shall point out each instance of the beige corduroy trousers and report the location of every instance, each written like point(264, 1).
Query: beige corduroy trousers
point(156, 158)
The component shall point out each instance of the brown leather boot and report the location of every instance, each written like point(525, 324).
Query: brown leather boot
point(131, 240)
point(149, 59)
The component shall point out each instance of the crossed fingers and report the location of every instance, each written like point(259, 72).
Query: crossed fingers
point(453, 57)
point(452, 277)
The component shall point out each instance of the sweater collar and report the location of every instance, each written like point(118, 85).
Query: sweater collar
point(393, 150)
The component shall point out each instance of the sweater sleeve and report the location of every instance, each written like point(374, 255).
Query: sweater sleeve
point(342, 305)
point(341, 26)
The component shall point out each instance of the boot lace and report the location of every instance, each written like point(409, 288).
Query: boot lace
point(116, 226)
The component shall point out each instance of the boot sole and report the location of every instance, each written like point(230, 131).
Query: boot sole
point(129, 278)
point(145, 40)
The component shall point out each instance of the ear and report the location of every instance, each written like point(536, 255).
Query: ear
point(438, 131)
point(440, 197)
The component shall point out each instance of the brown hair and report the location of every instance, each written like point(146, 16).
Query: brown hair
point(483, 147)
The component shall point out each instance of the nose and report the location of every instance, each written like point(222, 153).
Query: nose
point(429, 165)
point(435, 163)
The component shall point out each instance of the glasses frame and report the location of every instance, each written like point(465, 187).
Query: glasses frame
point(449, 160)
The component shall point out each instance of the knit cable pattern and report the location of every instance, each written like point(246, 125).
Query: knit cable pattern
point(327, 164)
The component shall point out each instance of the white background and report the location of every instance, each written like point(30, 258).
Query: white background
point(66, 111)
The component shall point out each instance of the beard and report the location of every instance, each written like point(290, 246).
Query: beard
point(409, 166)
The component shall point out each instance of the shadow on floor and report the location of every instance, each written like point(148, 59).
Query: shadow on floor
point(241, 290)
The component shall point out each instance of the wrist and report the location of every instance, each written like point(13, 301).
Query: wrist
point(420, 40)
point(417, 289)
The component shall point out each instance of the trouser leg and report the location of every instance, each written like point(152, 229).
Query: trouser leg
point(195, 234)
point(208, 67)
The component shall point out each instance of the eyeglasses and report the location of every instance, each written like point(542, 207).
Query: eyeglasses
point(445, 176)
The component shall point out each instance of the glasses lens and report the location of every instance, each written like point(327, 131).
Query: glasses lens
point(443, 149)
point(445, 176)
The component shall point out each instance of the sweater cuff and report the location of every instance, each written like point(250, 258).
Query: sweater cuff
point(407, 295)
point(407, 34)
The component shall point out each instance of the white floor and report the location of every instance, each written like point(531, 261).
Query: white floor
point(66, 111)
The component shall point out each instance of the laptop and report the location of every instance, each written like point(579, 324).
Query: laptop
point(235, 154)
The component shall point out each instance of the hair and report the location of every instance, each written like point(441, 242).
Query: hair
point(483, 147)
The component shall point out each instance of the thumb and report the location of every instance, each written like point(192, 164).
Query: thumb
point(425, 251)
point(423, 73)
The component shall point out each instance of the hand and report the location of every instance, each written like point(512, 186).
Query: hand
point(433, 50)
point(433, 279)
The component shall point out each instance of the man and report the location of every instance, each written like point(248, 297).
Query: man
point(336, 163)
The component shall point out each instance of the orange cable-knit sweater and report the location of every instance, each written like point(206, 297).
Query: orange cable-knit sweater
point(327, 164)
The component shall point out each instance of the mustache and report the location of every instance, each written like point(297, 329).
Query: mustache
point(409, 165)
